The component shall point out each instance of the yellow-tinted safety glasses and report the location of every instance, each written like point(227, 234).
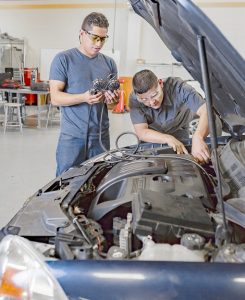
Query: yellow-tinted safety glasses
point(95, 38)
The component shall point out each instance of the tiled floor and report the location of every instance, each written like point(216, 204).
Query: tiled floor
point(27, 162)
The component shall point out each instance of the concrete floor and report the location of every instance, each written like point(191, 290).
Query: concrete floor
point(28, 161)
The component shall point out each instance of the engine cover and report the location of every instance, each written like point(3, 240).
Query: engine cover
point(166, 216)
point(168, 198)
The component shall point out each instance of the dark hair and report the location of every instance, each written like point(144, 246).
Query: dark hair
point(94, 19)
point(143, 81)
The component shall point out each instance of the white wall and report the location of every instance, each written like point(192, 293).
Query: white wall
point(228, 16)
point(58, 28)
point(231, 22)
point(134, 38)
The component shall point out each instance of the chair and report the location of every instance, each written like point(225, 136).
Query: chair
point(12, 115)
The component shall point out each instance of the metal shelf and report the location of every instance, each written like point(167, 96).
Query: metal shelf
point(12, 54)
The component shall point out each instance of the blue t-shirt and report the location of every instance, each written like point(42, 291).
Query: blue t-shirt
point(78, 71)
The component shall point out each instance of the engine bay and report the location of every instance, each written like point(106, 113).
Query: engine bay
point(151, 206)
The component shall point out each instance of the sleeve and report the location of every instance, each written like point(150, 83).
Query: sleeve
point(137, 115)
point(114, 70)
point(58, 69)
point(112, 67)
point(189, 96)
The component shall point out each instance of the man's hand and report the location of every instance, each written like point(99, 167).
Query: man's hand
point(93, 99)
point(177, 146)
point(152, 136)
point(111, 97)
point(200, 150)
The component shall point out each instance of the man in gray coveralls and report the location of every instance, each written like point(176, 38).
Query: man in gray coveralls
point(71, 77)
point(161, 112)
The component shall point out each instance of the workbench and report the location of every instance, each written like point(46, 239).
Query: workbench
point(22, 91)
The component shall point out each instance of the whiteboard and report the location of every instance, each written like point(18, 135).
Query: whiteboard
point(47, 56)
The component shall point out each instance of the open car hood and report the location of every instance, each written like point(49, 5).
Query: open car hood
point(179, 23)
point(143, 217)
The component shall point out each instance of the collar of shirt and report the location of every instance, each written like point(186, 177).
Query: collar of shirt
point(166, 99)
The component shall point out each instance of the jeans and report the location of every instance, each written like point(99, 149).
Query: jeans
point(72, 151)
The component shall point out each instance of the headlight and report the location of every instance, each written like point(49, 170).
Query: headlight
point(24, 274)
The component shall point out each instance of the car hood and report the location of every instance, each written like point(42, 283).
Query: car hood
point(179, 23)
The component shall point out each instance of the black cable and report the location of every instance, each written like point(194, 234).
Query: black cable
point(124, 133)
point(100, 129)
point(126, 156)
point(80, 228)
point(86, 139)
point(108, 151)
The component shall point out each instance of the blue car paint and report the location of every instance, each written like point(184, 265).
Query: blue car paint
point(117, 280)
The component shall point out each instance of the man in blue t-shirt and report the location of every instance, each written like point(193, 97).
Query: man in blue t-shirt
point(71, 77)
point(161, 112)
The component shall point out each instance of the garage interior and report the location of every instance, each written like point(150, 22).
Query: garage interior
point(158, 214)
point(36, 30)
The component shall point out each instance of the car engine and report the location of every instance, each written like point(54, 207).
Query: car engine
point(153, 205)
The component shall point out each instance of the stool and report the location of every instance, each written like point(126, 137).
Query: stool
point(52, 111)
point(2, 102)
point(9, 114)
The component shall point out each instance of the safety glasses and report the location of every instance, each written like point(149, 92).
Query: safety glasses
point(95, 38)
point(152, 96)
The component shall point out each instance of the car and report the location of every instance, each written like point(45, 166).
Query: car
point(142, 222)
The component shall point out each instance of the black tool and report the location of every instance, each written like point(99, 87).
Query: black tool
point(101, 85)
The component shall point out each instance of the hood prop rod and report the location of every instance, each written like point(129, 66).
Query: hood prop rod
point(224, 232)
